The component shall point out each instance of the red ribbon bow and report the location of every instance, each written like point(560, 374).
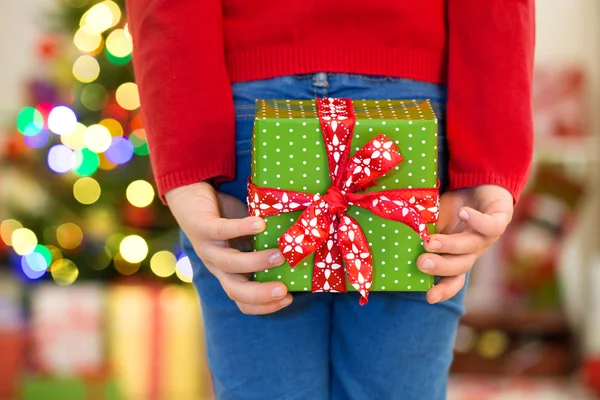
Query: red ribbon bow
point(324, 226)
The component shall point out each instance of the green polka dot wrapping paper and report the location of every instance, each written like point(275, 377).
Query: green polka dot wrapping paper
point(289, 153)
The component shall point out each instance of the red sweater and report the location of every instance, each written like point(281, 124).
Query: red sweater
point(188, 52)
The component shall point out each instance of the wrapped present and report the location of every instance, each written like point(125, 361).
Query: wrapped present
point(67, 329)
point(155, 342)
point(44, 388)
point(349, 192)
point(12, 335)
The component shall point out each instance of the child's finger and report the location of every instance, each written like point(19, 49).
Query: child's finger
point(457, 243)
point(490, 225)
point(446, 288)
point(260, 309)
point(446, 265)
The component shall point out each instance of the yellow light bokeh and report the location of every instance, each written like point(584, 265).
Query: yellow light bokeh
point(87, 40)
point(54, 252)
point(125, 267)
point(183, 269)
point(119, 43)
point(99, 224)
point(163, 264)
point(86, 190)
point(23, 241)
point(114, 10)
point(140, 193)
point(99, 18)
point(7, 227)
point(113, 126)
point(105, 163)
point(69, 236)
point(75, 140)
point(64, 272)
point(86, 69)
point(134, 249)
point(97, 138)
point(128, 96)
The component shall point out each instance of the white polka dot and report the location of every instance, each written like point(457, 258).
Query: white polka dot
point(357, 136)
point(409, 274)
point(396, 269)
point(264, 182)
point(266, 245)
point(318, 168)
point(291, 219)
point(410, 237)
point(383, 263)
point(410, 148)
point(410, 135)
point(291, 143)
point(383, 187)
point(291, 182)
point(265, 156)
point(409, 262)
point(305, 288)
point(304, 162)
point(383, 238)
point(410, 174)
point(304, 149)
point(422, 141)
point(266, 270)
point(304, 188)
point(370, 219)
point(291, 169)
point(396, 256)
point(410, 161)
point(264, 169)
point(318, 143)
point(357, 213)
point(278, 276)
point(383, 250)
point(279, 176)
point(318, 181)
point(265, 233)
point(410, 122)
point(305, 276)
point(370, 129)
point(264, 144)
point(291, 156)
point(318, 156)
point(422, 154)
point(395, 243)
point(383, 288)
point(395, 280)
point(292, 282)
point(408, 287)
point(277, 137)
point(304, 175)
point(264, 130)
point(423, 180)
point(291, 130)
point(422, 281)
point(423, 129)
point(278, 150)
point(304, 124)
point(277, 124)
point(278, 163)
point(382, 122)
point(278, 226)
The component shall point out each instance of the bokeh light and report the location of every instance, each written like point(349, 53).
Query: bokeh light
point(99, 18)
point(45, 253)
point(99, 224)
point(23, 241)
point(105, 163)
point(140, 146)
point(86, 190)
point(86, 162)
point(55, 252)
point(140, 193)
point(94, 97)
point(64, 272)
point(87, 40)
point(116, 60)
point(120, 151)
point(86, 69)
point(137, 123)
point(62, 120)
point(133, 248)
point(30, 272)
point(30, 121)
point(74, 140)
point(7, 227)
point(125, 267)
point(97, 138)
point(60, 158)
point(163, 264)
point(38, 141)
point(35, 261)
point(115, 11)
point(69, 236)
point(119, 43)
point(183, 269)
point(114, 127)
point(128, 96)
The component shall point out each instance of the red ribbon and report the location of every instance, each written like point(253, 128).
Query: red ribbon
point(324, 227)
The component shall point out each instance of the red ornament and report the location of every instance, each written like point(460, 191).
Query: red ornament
point(47, 47)
point(324, 227)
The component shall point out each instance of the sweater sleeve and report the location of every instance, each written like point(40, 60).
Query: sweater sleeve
point(489, 115)
point(185, 93)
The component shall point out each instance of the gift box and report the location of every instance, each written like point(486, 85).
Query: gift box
point(155, 342)
point(67, 329)
point(44, 388)
point(348, 190)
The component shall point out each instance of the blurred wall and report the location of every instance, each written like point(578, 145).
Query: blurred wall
point(19, 27)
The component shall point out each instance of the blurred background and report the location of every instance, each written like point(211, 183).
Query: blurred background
point(95, 294)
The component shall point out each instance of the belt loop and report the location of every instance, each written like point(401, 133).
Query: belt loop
point(320, 79)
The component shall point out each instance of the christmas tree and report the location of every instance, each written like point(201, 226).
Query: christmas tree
point(76, 177)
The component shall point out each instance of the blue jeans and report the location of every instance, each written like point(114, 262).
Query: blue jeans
point(327, 346)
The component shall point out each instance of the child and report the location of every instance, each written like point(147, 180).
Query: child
point(201, 64)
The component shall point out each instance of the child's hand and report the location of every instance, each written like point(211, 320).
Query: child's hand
point(212, 221)
point(471, 220)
